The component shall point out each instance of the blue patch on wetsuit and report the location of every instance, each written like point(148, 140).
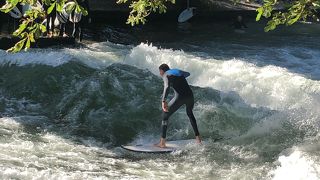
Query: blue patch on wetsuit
point(177, 72)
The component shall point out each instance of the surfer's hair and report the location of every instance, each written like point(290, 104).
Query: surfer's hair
point(164, 67)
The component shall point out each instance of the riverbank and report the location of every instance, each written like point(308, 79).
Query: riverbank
point(162, 32)
point(206, 11)
point(7, 42)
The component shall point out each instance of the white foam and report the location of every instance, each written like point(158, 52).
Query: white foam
point(297, 166)
point(36, 56)
point(100, 55)
point(96, 55)
point(268, 86)
point(49, 156)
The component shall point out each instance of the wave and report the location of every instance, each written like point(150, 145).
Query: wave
point(119, 98)
point(269, 87)
point(112, 93)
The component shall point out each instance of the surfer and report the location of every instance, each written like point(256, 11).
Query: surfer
point(183, 95)
point(239, 23)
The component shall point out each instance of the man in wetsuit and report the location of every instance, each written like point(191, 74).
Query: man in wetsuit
point(183, 95)
point(239, 23)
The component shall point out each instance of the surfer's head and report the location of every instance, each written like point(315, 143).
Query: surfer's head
point(163, 68)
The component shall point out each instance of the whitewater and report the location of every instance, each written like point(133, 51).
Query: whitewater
point(64, 112)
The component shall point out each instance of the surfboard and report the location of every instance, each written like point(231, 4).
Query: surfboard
point(69, 11)
point(239, 31)
point(26, 7)
point(76, 17)
point(15, 13)
point(186, 14)
point(63, 16)
point(151, 148)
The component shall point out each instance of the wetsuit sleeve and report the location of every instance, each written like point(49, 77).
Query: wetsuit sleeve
point(185, 74)
point(166, 87)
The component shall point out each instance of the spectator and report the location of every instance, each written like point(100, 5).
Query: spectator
point(78, 22)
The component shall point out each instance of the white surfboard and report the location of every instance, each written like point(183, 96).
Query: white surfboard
point(26, 7)
point(151, 148)
point(186, 14)
point(15, 13)
point(75, 18)
point(63, 16)
point(240, 31)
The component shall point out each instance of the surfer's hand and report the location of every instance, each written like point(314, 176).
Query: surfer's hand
point(165, 106)
point(198, 140)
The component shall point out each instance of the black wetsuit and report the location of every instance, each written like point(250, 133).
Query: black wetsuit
point(183, 95)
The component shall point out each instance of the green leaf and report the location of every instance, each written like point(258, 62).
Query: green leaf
point(260, 11)
point(59, 7)
point(7, 8)
point(18, 46)
point(27, 46)
point(31, 37)
point(316, 4)
point(23, 35)
point(78, 9)
point(70, 7)
point(14, 2)
point(51, 8)
point(43, 28)
point(21, 28)
point(292, 21)
point(83, 11)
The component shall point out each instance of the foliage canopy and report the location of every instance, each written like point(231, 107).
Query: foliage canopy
point(31, 28)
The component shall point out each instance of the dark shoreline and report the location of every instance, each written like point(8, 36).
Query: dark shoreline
point(171, 16)
point(163, 29)
point(119, 18)
point(7, 42)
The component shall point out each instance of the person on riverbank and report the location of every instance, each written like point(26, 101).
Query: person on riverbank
point(63, 18)
point(183, 96)
point(1, 16)
point(50, 20)
point(12, 18)
point(84, 20)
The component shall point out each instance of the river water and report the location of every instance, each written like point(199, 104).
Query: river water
point(65, 111)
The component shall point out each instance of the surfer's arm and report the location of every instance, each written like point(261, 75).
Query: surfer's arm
point(166, 87)
point(185, 74)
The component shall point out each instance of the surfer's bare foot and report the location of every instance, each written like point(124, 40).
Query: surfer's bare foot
point(198, 140)
point(161, 144)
